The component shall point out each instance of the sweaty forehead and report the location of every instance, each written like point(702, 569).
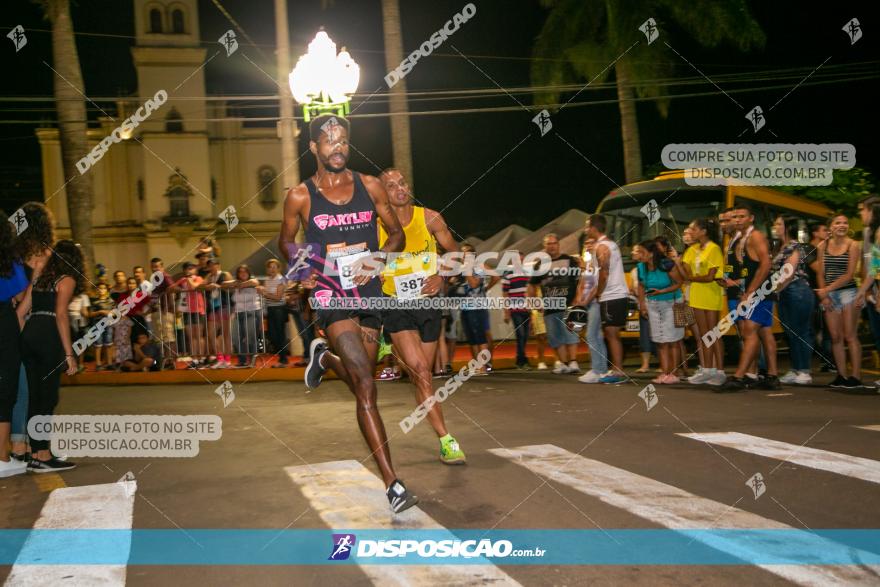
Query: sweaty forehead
point(333, 132)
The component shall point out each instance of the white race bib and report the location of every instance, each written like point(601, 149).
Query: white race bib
point(345, 267)
point(409, 286)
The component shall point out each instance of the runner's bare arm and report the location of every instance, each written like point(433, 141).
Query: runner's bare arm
point(603, 259)
point(440, 230)
point(396, 240)
point(295, 207)
point(758, 249)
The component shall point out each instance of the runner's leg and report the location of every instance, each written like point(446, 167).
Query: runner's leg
point(347, 339)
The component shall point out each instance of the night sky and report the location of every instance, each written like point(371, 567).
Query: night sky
point(543, 176)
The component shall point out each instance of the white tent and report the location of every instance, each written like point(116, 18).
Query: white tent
point(501, 240)
point(567, 227)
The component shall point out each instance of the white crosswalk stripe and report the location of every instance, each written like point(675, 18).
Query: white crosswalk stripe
point(107, 506)
point(856, 467)
point(675, 508)
point(346, 495)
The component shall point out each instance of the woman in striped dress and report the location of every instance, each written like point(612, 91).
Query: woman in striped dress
point(838, 259)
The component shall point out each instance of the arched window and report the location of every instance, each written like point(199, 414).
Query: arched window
point(177, 24)
point(155, 20)
point(178, 194)
point(266, 182)
point(174, 121)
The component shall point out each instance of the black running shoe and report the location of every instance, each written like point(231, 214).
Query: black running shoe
point(770, 383)
point(852, 383)
point(314, 371)
point(53, 465)
point(839, 382)
point(399, 497)
point(732, 385)
point(20, 457)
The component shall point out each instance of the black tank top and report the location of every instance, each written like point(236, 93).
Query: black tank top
point(43, 302)
point(343, 232)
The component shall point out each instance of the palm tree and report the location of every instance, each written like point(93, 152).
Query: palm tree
point(400, 137)
point(72, 124)
point(590, 35)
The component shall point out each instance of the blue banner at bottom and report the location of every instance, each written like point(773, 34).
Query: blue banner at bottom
point(440, 547)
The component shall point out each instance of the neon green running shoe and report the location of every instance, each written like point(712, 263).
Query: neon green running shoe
point(384, 350)
point(450, 451)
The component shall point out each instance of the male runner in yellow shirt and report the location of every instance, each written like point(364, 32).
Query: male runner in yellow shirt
point(413, 274)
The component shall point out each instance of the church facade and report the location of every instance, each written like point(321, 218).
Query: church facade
point(169, 173)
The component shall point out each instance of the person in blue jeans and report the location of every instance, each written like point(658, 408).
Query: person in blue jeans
point(796, 300)
point(595, 340)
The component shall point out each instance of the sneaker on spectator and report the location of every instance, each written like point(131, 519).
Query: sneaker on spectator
point(573, 367)
point(559, 368)
point(789, 377)
point(803, 378)
point(590, 377)
point(387, 374)
point(717, 379)
point(12, 467)
point(701, 376)
point(542, 366)
point(612, 378)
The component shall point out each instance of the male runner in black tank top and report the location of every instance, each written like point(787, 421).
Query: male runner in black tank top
point(339, 208)
point(753, 256)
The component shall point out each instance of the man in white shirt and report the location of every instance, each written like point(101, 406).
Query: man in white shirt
point(611, 291)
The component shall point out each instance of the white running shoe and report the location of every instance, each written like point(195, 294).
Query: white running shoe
point(12, 467)
point(542, 366)
point(802, 379)
point(701, 376)
point(573, 367)
point(590, 377)
point(559, 368)
point(789, 377)
point(718, 378)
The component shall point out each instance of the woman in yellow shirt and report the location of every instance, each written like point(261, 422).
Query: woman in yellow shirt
point(702, 263)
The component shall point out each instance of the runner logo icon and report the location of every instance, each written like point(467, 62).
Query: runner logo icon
point(342, 546)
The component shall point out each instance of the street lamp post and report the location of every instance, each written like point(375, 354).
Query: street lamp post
point(323, 80)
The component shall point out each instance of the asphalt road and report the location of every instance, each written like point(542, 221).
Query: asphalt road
point(626, 467)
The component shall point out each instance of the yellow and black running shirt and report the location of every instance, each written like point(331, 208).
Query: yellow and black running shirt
point(405, 274)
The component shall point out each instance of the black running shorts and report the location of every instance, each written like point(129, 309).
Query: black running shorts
point(427, 322)
point(367, 318)
point(613, 312)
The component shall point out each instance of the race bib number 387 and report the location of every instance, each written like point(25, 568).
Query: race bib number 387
point(409, 286)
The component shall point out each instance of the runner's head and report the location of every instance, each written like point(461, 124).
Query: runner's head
point(839, 225)
point(395, 184)
point(328, 141)
point(596, 226)
point(742, 217)
point(551, 244)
